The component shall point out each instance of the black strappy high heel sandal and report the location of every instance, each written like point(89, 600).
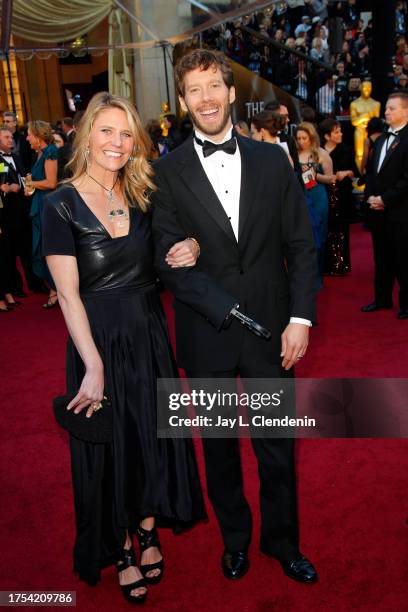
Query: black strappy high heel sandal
point(126, 560)
point(147, 539)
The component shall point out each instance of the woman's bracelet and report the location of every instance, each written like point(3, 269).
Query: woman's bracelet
point(196, 243)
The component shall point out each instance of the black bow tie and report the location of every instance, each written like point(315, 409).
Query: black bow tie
point(230, 146)
point(393, 133)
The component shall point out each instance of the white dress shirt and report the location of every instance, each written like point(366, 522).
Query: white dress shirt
point(9, 159)
point(223, 170)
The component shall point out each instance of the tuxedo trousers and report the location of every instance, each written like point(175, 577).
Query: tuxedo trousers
point(279, 536)
point(7, 259)
point(384, 266)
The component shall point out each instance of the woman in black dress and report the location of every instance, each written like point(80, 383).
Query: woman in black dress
point(341, 203)
point(97, 240)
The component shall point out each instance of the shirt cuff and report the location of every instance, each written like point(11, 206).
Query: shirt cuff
point(301, 321)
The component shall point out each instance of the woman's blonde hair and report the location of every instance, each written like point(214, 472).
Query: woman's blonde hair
point(136, 176)
point(311, 131)
point(41, 129)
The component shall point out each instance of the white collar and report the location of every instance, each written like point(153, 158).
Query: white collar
point(203, 137)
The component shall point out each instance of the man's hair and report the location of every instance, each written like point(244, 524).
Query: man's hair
point(203, 59)
point(5, 128)
point(69, 122)
point(327, 126)
point(10, 114)
point(402, 95)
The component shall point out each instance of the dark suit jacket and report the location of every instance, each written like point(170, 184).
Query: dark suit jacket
point(391, 182)
point(24, 151)
point(71, 137)
point(64, 155)
point(14, 204)
point(270, 271)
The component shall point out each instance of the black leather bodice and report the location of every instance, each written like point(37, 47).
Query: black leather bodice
point(104, 263)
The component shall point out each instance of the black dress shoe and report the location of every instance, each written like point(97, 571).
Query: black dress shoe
point(403, 313)
point(373, 307)
point(300, 569)
point(235, 564)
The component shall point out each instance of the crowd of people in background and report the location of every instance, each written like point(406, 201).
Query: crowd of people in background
point(32, 162)
point(322, 50)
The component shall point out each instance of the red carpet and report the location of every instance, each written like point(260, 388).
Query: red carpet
point(353, 493)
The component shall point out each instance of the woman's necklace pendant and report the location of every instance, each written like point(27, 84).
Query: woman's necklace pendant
point(119, 216)
point(116, 215)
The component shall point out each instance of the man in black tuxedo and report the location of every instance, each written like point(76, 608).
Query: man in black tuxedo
point(284, 135)
point(240, 200)
point(20, 144)
point(68, 129)
point(16, 220)
point(387, 191)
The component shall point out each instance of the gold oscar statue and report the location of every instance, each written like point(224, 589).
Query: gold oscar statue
point(165, 108)
point(362, 110)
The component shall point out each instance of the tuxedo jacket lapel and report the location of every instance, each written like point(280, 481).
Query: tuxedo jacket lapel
point(389, 152)
point(403, 134)
point(377, 151)
point(249, 183)
point(195, 178)
point(13, 174)
point(17, 161)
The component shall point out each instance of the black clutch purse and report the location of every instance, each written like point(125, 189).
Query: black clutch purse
point(96, 429)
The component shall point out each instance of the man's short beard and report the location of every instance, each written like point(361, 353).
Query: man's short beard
point(215, 130)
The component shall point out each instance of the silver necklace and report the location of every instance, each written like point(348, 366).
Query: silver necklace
point(119, 214)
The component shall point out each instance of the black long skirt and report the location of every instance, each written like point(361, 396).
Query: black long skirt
point(137, 475)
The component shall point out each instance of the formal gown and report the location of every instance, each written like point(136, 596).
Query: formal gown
point(341, 211)
point(138, 475)
point(38, 174)
point(317, 203)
